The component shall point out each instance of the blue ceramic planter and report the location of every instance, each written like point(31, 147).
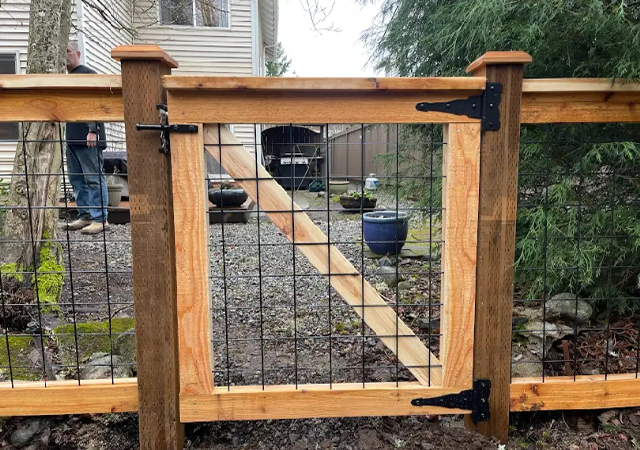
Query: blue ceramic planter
point(385, 232)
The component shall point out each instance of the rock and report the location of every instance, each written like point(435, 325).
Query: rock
point(424, 324)
point(385, 261)
point(563, 306)
point(529, 367)
point(27, 431)
point(528, 312)
point(519, 321)
point(589, 371)
point(125, 345)
point(404, 285)
point(99, 367)
point(389, 276)
point(609, 416)
point(552, 332)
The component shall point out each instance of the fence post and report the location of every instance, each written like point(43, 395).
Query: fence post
point(496, 237)
point(152, 241)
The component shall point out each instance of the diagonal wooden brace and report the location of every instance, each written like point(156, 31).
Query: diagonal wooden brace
point(377, 314)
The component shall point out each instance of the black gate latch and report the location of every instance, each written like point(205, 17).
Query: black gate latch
point(483, 107)
point(476, 400)
point(166, 129)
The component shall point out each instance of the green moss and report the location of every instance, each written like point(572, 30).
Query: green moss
point(19, 349)
point(12, 270)
point(50, 275)
point(93, 337)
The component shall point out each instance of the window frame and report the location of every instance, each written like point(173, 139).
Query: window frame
point(194, 17)
point(16, 71)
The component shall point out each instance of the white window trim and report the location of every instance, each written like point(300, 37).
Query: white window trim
point(199, 27)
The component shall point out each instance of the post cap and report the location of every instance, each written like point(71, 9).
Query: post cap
point(143, 53)
point(494, 58)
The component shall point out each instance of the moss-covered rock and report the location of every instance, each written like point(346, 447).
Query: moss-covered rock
point(22, 367)
point(93, 337)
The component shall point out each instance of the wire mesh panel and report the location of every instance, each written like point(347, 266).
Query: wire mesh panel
point(577, 268)
point(278, 318)
point(66, 309)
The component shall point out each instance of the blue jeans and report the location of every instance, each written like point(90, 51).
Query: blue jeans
point(84, 168)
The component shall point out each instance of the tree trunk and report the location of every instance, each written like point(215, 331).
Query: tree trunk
point(38, 155)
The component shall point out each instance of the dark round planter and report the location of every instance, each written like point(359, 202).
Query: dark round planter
point(385, 232)
point(227, 197)
point(357, 204)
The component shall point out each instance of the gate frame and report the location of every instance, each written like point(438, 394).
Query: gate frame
point(213, 100)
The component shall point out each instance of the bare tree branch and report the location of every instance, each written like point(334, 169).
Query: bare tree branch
point(320, 14)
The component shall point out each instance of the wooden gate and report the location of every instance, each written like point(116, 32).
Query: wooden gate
point(209, 103)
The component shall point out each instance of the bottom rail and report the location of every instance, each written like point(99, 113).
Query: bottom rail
point(32, 398)
point(287, 402)
point(312, 401)
point(585, 392)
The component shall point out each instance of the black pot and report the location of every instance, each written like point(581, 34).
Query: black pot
point(227, 197)
point(357, 204)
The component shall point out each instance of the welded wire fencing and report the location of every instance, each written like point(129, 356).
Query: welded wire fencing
point(576, 304)
point(276, 318)
point(66, 309)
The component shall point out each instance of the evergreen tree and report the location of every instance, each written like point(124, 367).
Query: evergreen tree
point(579, 185)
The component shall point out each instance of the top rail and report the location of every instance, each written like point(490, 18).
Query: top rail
point(577, 85)
point(69, 98)
point(40, 82)
point(61, 98)
point(324, 84)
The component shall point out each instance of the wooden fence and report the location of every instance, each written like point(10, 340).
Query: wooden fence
point(169, 238)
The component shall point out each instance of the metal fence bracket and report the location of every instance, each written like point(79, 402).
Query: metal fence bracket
point(166, 129)
point(476, 399)
point(483, 107)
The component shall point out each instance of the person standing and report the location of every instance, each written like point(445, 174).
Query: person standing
point(85, 143)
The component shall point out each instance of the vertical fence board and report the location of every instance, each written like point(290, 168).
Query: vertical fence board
point(460, 228)
point(496, 240)
point(152, 242)
point(192, 261)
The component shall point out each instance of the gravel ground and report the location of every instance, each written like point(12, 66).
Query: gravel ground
point(92, 287)
point(295, 329)
point(268, 326)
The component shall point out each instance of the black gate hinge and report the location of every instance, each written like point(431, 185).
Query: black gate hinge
point(483, 107)
point(166, 129)
point(476, 400)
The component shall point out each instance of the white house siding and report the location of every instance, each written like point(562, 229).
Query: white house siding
point(204, 50)
point(14, 37)
point(98, 37)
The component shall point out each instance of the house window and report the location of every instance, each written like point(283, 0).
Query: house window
point(9, 131)
point(201, 13)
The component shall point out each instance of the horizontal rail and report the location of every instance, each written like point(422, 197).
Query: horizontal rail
point(324, 84)
point(61, 81)
point(66, 397)
point(103, 396)
point(586, 392)
point(69, 98)
point(311, 401)
point(310, 107)
point(539, 85)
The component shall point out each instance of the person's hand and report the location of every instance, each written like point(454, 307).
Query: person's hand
point(92, 140)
